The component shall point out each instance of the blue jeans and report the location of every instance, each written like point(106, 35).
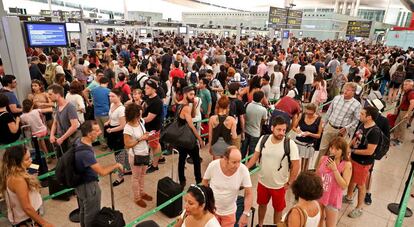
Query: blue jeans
point(249, 144)
point(383, 86)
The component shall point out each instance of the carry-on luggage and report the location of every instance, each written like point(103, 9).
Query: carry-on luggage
point(239, 211)
point(167, 189)
point(108, 217)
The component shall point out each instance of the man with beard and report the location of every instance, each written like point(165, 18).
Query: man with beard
point(279, 168)
point(184, 117)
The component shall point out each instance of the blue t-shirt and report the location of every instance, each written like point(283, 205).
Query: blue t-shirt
point(83, 161)
point(100, 98)
point(12, 98)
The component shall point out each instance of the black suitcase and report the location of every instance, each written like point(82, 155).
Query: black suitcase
point(167, 189)
point(239, 211)
point(109, 217)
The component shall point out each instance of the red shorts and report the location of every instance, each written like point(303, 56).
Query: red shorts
point(278, 197)
point(359, 173)
point(154, 140)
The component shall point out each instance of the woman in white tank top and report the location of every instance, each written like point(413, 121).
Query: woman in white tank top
point(307, 212)
point(21, 190)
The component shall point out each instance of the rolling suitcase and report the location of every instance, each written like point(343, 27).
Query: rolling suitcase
point(167, 189)
point(239, 211)
point(109, 217)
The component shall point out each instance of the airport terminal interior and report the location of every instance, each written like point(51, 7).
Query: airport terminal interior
point(206, 113)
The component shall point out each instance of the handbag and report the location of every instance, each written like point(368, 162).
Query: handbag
point(179, 135)
point(140, 160)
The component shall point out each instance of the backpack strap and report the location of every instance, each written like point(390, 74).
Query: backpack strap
point(286, 148)
point(262, 145)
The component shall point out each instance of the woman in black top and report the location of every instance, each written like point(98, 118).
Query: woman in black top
point(309, 130)
point(222, 128)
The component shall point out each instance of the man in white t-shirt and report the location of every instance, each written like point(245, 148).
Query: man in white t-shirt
point(276, 173)
point(294, 68)
point(226, 176)
point(310, 73)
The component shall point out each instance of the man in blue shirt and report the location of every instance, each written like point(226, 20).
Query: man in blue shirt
point(9, 83)
point(100, 99)
point(89, 192)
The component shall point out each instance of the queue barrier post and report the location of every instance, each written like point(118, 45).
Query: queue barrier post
point(401, 208)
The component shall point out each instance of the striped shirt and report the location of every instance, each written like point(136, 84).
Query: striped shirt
point(343, 113)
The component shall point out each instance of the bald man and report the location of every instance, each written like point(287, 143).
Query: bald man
point(226, 176)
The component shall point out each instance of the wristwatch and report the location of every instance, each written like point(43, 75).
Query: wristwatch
point(247, 213)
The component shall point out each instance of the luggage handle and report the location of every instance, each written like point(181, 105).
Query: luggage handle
point(172, 162)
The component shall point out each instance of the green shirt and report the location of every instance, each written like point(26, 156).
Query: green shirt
point(205, 97)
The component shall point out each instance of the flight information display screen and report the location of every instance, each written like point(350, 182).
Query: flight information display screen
point(46, 34)
point(359, 28)
point(284, 18)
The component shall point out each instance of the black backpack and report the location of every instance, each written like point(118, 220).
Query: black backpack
point(66, 172)
point(286, 146)
point(193, 78)
point(383, 144)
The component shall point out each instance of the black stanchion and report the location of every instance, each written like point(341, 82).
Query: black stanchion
point(395, 207)
point(40, 161)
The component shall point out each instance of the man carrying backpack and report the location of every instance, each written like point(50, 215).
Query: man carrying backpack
point(384, 125)
point(52, 69)
point(279, 161)
point(363, 145)
point(88, 190)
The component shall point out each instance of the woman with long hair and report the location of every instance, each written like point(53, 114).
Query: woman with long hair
point(199, 208)
point(114, 132)
point(135, 139)
point(222, 128)
point(74, 96)
point(335, 169)
point(41, 100)
point(20, 189)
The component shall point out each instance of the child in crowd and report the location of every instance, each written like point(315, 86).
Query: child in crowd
point(35, 119)
point(335, 171)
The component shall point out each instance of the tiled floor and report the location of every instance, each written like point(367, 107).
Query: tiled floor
point(388, 183)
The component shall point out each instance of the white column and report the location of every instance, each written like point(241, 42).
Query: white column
point(351, 13)
point(345, 6)
point(125, 10)
point(49, 3)
point(356, 8)
point(336, 6)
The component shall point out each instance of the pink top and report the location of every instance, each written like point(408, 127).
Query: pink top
point(332, 192)
point(261, 70)
point(34, 119)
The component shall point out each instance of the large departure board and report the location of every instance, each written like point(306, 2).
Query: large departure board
point(285, 18)
point(359, 28)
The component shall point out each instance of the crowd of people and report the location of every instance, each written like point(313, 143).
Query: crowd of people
point(264, 105)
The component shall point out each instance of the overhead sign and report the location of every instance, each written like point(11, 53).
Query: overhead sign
point(285, 18)
point(359, 28)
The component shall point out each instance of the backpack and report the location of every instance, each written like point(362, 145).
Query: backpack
point(139, 81)
point(50, 73)
point(65, 171)
point(383, 144)
point(193, 78)
point(124, 96)
point(286, 146)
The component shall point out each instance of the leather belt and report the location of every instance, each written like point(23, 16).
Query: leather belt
point(333, 126)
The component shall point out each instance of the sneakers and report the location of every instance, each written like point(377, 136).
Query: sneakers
point(161, 160)
point(346, 200)
point(355, 213)
point(368, 199)
point(152, 169)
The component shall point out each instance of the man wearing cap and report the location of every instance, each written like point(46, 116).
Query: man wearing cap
point(383, 124)
point(153, 122)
